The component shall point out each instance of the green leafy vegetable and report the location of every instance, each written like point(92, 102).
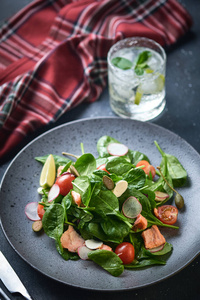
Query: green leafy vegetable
point(108, 260)
point(82, 186)
point(53, 220)
point(176, 171)
point(59, 160)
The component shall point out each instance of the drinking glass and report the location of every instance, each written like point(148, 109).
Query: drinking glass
point(136, 78)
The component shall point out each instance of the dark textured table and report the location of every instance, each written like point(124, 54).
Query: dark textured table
point(181, 116)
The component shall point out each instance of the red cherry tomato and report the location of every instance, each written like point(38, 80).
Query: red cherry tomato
point(126, 252)
point(65, 183)
point(147, 167)
point(103, 168)
point(151, 170)
point(167, 214)
point(40, 211)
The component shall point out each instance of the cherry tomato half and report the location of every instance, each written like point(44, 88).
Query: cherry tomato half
point(126, 252)
point(147, 168)
point(40, 211)
point(65, 183)
point(103, 168)
point(167, 214)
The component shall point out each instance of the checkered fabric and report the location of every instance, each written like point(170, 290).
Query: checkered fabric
point(53, 55)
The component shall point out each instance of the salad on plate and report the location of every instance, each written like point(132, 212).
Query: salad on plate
point(110, 209)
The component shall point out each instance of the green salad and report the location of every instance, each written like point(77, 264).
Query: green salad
point(110, 209)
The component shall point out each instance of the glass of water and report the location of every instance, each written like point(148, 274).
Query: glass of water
point(136, 78)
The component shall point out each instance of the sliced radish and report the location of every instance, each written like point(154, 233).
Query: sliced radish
point(120, 188)
point(131, 208)
point(93, 244)
point(83, 252)
point(65, 173)
point(54, 192)
point(160, 196)
point(156, 249)
point(31, 211)
point(117, 149)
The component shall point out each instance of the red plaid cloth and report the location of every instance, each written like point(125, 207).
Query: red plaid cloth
point(53, 55)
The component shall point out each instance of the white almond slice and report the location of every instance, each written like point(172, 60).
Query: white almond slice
point(120, 188)
point(92, 244)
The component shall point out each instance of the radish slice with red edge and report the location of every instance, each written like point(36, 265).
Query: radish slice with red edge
point(54, 192)
point(156, 249)
point(117, 149)
point(131, 207)
point(160, 196)
point(65, 173)
point(83, 252)
point(31, 211)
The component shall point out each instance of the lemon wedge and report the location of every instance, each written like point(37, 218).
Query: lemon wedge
point(138, 96)
point(160, 81)
point(48, 173)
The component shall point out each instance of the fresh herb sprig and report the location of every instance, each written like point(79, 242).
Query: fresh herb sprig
point(140, 65)
point(141, 62)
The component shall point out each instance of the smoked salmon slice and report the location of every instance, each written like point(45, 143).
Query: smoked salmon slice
point(153, 237)
point(71, 240)
point(105, 247)
point(140, 223)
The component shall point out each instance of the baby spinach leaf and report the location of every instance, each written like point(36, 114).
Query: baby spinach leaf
point(108, 260)
point(100, 173)
point(66, 203)
point(82, 215)
point(122, 63)
point(138, 156)
point(176, 170)
point(136, 177)
point(166, 250)
point(93, 230)
point(103, 143)
point(82, 186)
point(101, 161)
point(85, 164)
point(105, 203)
point(53, 220)
point(151, 197)
point(115, 229)
point(118, 165)
point(59, 160)
point(145, 263)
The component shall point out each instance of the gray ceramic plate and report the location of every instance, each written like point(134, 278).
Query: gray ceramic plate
point(20, 183)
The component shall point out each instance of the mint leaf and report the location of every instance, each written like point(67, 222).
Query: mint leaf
point(122, 63)
point(141, 62)
point(143, 57)
point(139, 71)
